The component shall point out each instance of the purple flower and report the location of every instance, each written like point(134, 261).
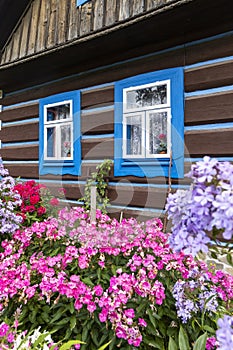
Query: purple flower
point(224, 333)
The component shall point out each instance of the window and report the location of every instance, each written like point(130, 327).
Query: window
point(80, 2)
point(60, 148)
point(149, 124)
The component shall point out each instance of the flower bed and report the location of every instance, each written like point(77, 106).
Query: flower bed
point(65, 278)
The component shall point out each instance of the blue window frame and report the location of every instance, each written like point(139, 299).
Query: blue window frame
point(60, 139)
point(80, 2)
point(149, 124)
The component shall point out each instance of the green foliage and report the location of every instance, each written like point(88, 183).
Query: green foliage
point(99, 179)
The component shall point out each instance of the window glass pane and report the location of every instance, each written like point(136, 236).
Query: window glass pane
point(58, 112)
point(134, 135)
point(51, 142)
point(158, 137)
point(66, 140)
point(146, 97)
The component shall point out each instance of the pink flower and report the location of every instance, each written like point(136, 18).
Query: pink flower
point(54, 202)
point(98, 290)
point(142, 322)
point(129, 313)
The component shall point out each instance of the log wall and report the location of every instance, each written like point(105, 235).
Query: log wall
point(208, 123)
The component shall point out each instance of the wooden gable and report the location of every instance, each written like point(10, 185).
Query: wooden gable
point(48, 24)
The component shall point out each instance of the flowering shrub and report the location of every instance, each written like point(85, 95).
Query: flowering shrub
point(37, 202)
point(109, 281)
point(204, 210)
point(66, 281)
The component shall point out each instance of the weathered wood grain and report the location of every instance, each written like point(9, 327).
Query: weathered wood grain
point(98, 14)
point(111, 12)
point(42, 26)
point(73, 21)
point(85, 18)
point(26, 22)
point(34, 24)
point(63, 14)
point(52, 29)
point(125, 9)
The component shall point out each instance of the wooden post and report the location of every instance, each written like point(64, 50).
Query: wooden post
point(93, 203)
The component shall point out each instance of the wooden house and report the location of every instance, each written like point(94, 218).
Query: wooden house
point(146, 83)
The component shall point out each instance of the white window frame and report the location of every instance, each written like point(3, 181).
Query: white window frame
point(57, 124)
point(144, 111)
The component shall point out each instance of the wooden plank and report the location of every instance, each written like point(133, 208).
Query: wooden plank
point(211, 76)
point(25, 33)
point(125, 9)
point(110, 12)
point(52, 29)
point(97, 98)
point(85, 22)
point(8, 51)
point(62, 20)
point(97, 149)
point(16, 44)
point(73, 21)
point(137, 7)
point(209, 142)
point(34, 27)
point(42, 26)
point(209, 109)
point(98, 123)
point(20, 153)
point(98, 13)
point(20, 113)
point(24, 132)
point(27, 171)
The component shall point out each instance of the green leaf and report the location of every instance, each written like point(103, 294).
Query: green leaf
point(156, 344)
point(105, 345)
point(209, 329)
point(183, 340)
point(172, 344)
point(151, 317)
point(70, 343)
point(200, 343)
point(73, 321)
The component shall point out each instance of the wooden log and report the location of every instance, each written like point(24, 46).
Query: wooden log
point(98, 123)
point(209, 142)
point(20, 153)
point(210, 76)
point(24, 132)
point(97, 149)
point(20, 113)
point(209, 109)
point(97, 98)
